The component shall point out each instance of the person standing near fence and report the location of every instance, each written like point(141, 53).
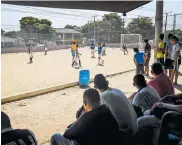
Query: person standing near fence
point(30, 52)
point(78, 56)
point(147, 51)
point(104, 49)
point(100, 60)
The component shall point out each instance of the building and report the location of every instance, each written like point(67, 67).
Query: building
point(66, 35)
point(11, 42)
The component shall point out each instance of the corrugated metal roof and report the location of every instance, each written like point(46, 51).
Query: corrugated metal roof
point(66, 30)
point(7, 39)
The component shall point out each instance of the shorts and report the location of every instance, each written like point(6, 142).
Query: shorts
point(161, 60)
point(168, 64)
point(45, 48)
point(99, 56)
point(73, 53)
point(175, 66)
point(147, 61)
point(140, 69)
point(92, 50)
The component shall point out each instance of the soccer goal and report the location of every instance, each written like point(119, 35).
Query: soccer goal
point(131, 40)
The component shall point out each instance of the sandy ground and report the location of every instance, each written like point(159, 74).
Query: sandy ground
point(52, 113)
point(55, 69)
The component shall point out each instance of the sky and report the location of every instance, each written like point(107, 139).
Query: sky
point(11, 14)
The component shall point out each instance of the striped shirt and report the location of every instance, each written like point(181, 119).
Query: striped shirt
point(146, 98)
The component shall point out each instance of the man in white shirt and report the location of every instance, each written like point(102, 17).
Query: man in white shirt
point(174, 55)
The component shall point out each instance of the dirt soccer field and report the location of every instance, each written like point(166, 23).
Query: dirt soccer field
point(54, 69)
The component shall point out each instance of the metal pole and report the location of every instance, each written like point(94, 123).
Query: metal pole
point(174, 24)
point(158, 22)
point(123, 25)
point(165, 27)
point(94, 29)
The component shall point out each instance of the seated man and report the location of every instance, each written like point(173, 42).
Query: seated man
point(10, 136)
point(96, 126)
point(118, 103)
point(146, 96)
point(149, 126)
point(161, 82)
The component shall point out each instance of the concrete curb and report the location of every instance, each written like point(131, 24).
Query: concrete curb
point(50, 89)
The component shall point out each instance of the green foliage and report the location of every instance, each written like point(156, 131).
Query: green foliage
point(12, 34)
point(73, 27)
point(141, 25)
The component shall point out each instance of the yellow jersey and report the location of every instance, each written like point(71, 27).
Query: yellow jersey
point(73, 47)
point(160, 54)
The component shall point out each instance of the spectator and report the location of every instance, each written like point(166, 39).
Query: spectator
point(146, 96)
point(15, 136)
point(174, 56)
point(149, 126)
point(118, 103)
point(96, 126)
point(161, 50)
point(139, 61)
point(148, 55)
point(168, 62)
point(161, 82)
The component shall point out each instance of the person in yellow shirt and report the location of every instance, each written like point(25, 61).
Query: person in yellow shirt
point(73, 52)
point(160, 50)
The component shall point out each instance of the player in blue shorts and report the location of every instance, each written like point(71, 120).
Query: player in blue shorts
point(100, 60)
point(92, 47)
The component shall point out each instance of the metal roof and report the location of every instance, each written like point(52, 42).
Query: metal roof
point(66, 30)
point(112, 6)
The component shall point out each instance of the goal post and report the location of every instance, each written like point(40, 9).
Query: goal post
point(132, 40)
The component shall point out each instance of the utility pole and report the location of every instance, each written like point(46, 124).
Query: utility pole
point(174, 24)
point(94, 28)
point(165, 28)
point(158, 22)
point(123, 25)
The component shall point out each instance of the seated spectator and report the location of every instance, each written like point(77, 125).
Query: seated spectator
point(96, 126)
point(118, 103)
point(149, 126)
point(161, 82)
point(10, 136)
point(146, 96)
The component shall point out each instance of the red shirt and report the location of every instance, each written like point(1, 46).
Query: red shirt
point(162, 84)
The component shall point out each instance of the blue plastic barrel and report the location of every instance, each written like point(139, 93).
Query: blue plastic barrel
point(84, 78)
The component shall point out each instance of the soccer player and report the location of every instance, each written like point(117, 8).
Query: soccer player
point(92, 47)
point(78, 56)
point(125, 49)
point(100, 60)
point(45, 48)
point(174, 55)
point(73, 52)
point(104, 48)
point(30, 52)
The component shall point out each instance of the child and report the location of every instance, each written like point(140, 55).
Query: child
point(45, 48)
point(139, 61)
point(100, 60)
point(125, 49)
point(92, 47)
point(30, 43)
point(78, 56)
point(174, 56)
point(147, 51)
point(73, 52)
point(160, 50)
point(104, 49)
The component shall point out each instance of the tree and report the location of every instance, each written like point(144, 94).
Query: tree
point(108, 29)
point(73, 27)
point(2, 31)
point(40, 29)
point(143, 26)
point(12, 34)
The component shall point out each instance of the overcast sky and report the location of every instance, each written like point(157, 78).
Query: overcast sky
point(11, 14)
